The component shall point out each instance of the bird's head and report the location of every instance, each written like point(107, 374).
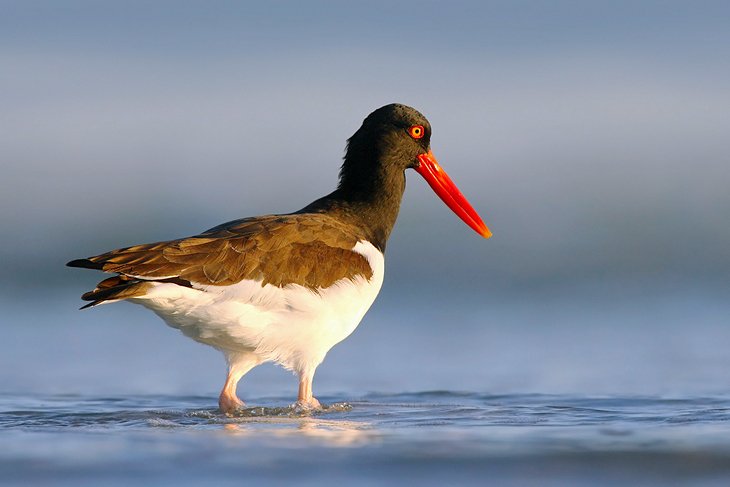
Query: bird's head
point(392, 139)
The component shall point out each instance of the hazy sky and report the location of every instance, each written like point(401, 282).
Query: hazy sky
point(591, 136)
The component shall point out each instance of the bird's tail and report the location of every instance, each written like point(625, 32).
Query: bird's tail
point(114, 289)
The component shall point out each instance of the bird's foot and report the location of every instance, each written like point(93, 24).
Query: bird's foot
point(229, 403)
point(307, 405)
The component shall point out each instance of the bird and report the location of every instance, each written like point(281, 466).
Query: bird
point(286, 288)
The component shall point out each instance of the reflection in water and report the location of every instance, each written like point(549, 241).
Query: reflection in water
point(326, 432)
point(295, 423)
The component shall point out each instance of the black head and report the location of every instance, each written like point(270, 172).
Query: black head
point(372, 180)
point(388, 142)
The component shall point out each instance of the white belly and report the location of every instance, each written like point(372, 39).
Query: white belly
point(292, 326)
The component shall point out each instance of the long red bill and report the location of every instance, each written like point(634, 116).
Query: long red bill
point(445, 188)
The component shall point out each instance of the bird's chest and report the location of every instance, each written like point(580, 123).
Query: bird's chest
point(309, 323)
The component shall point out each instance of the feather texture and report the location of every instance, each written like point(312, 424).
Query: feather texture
point(311, 250)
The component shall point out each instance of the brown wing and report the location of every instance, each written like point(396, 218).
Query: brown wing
point(312, 250)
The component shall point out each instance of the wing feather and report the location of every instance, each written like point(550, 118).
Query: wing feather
point(312, 250)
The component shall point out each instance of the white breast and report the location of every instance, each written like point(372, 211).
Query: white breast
point(293, 325)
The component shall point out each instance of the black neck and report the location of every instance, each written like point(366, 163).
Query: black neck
point(367, 196)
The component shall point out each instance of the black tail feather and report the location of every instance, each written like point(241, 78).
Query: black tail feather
point(85, 264)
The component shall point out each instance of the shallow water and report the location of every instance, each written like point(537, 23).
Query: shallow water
point(427, 438)
point(602, 388)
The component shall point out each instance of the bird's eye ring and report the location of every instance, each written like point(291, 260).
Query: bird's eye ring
point(416, 131)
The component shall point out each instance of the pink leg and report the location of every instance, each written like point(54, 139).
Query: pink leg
point(305, 399)
point(228, 401)
point(238, 365)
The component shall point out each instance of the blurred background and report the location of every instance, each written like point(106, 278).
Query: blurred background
point(591, 136)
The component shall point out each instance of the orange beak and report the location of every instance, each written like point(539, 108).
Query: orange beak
point(445, 188)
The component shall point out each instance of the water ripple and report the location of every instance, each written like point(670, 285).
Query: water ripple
point(399, 410)
point(161, 437)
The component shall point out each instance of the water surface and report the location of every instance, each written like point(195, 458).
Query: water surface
point(428, 438)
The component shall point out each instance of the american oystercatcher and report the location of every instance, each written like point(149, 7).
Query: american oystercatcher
point(287, 288)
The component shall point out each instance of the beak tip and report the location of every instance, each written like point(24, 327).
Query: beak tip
point(485, 233)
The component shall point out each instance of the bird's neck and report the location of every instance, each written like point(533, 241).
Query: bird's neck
point(369, 200)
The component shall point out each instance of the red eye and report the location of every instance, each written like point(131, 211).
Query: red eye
point(416, 131)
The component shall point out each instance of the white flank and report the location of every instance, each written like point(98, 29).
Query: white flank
point(251, 323)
